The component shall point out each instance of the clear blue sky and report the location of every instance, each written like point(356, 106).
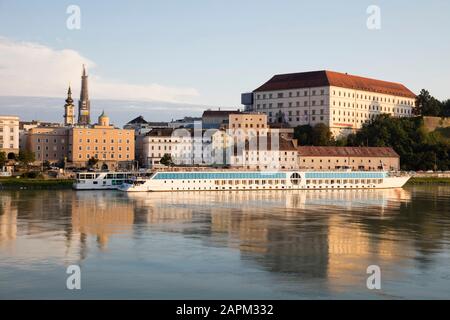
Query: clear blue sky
point(223, 48)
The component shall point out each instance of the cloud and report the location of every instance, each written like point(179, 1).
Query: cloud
point(31, 69)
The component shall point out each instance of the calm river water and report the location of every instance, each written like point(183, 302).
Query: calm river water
point(226, 245)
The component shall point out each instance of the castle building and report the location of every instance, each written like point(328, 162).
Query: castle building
point(341, 101)
point(84, 105)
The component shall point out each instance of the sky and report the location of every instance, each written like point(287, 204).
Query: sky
point(207, 52)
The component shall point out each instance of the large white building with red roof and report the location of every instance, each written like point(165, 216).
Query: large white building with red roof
point(341, 101)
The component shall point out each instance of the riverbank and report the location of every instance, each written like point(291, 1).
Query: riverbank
point(428, 180)
point(25, 183)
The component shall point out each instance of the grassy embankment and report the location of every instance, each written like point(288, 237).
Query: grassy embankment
point(28, 183)
point(429, 180)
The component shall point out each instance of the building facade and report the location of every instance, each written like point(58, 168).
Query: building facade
point(267, 153)
point(141, 127)
point(183, 145)
point(49, 144)
point(155, 145)
point(75, 145)
point(9, 135)
point(113, 147)
point(355, 158)
point(341, 101)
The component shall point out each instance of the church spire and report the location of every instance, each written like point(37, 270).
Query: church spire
point(84, 105)
point(69, 109)
point(69, 99)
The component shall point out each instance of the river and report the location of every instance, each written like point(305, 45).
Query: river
point(226, 245)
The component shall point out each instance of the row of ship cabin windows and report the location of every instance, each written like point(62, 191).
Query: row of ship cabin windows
point(345, 181)
point(277, 183)
point(233, 182)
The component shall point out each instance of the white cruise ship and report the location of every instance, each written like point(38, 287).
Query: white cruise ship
point(101, 180)
point(262, 180)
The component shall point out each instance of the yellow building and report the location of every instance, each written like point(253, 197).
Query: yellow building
point(113, 147)
point(102, 141)
point(48, 143)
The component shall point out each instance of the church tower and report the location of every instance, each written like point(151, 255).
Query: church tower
point(84, 105)
point(69, 109)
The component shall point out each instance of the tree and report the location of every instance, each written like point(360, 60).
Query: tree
point(418, 149)
point(26, 157)
point(427, 105)
point(321, 135)
point(3, 159)
point(92, 161)
point(303, 134)
point(166, 160)
point(446, 108)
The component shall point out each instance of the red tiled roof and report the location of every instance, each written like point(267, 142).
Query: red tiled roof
point(264, 143)
point(330, 78)
point(313, 151)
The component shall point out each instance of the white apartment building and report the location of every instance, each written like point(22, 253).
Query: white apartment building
point(341, 101)
point(9, 135)
point(181, 144)
point(266, 153)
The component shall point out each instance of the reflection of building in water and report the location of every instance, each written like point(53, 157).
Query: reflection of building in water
point(100, 214)
point(161, 208)
point(352, 249)
point(8, 218)
point(284, 231)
